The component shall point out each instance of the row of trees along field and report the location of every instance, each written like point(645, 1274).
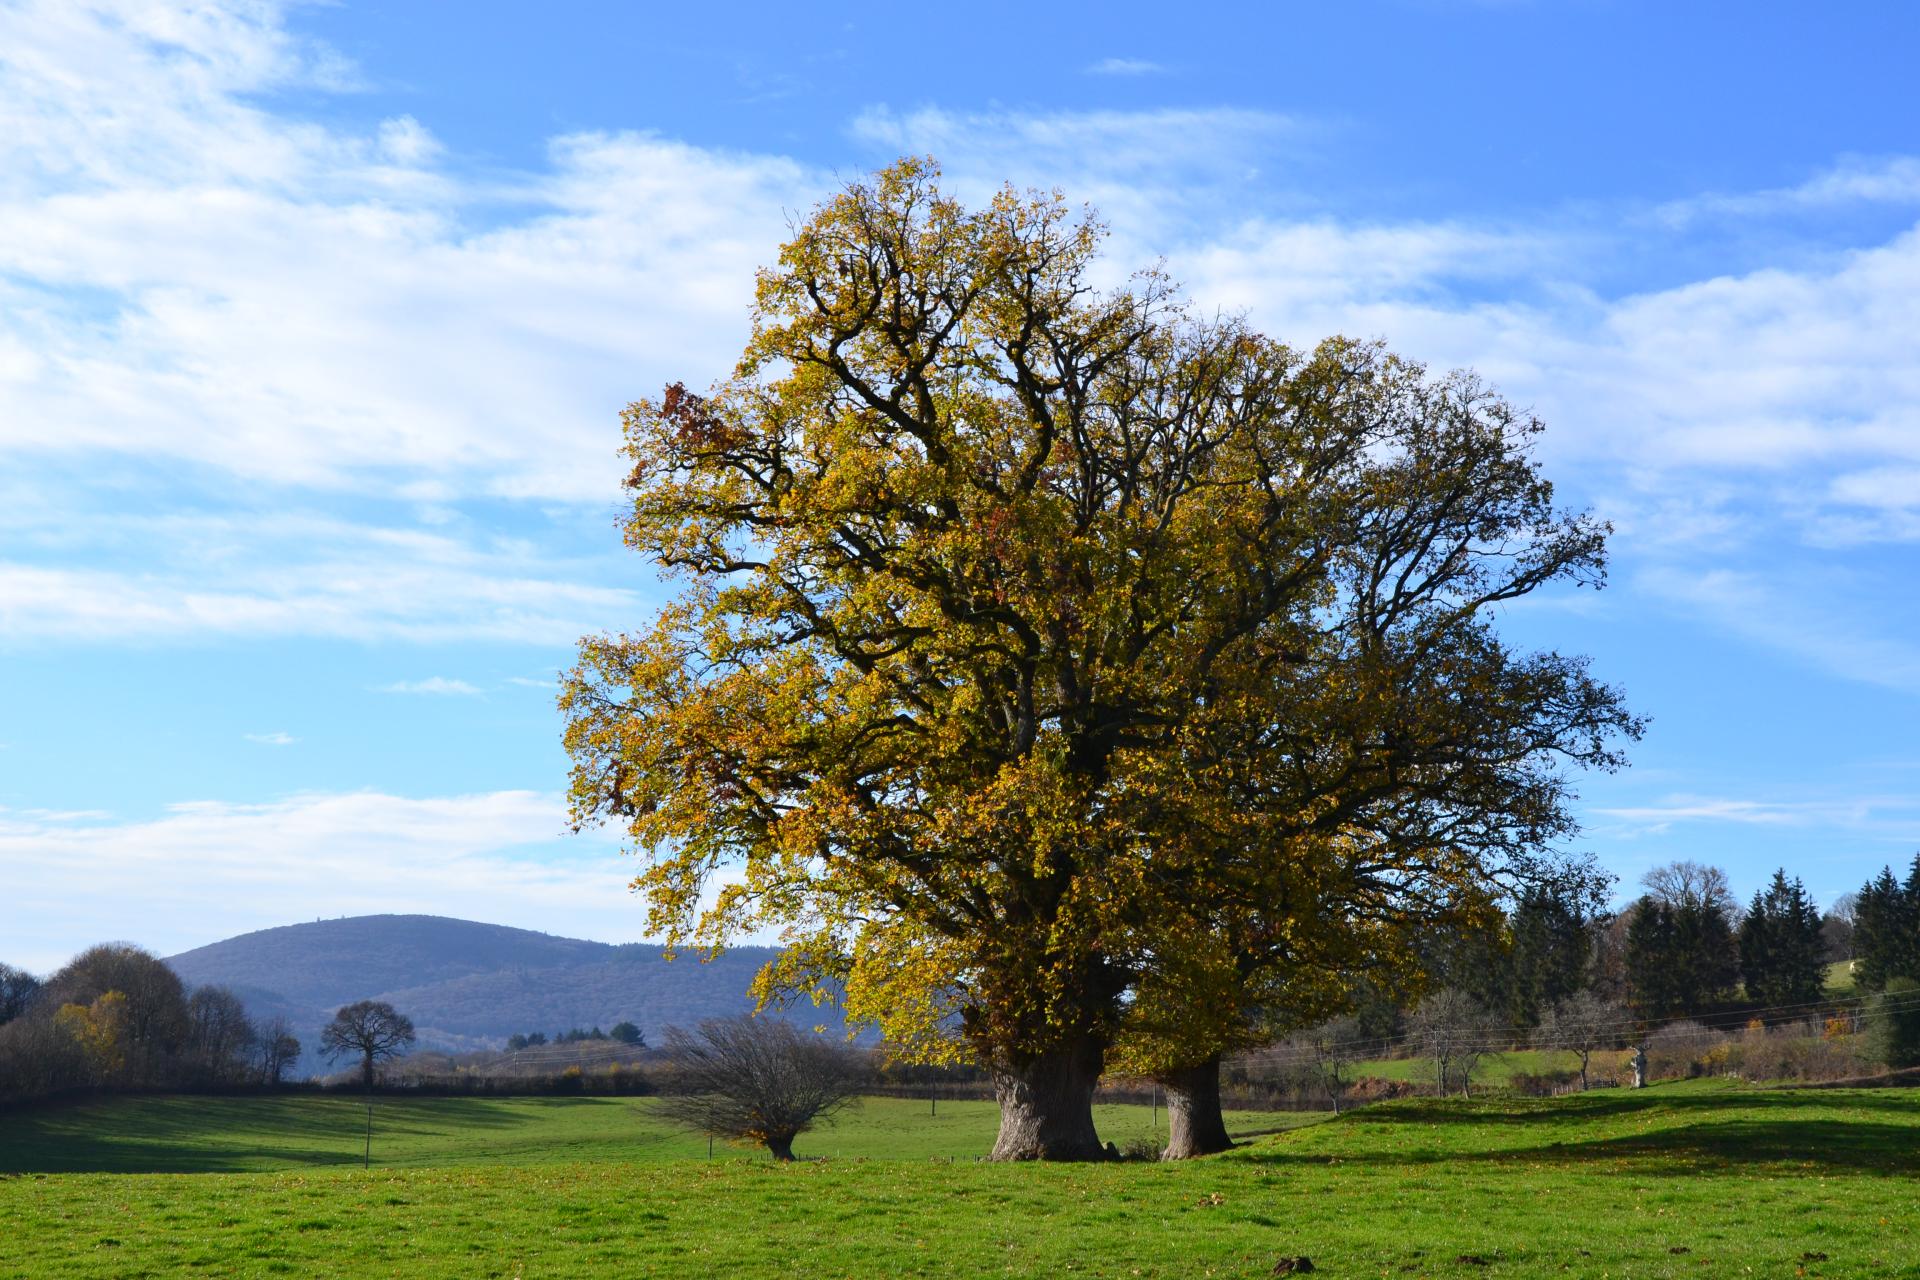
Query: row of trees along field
point(1682, 963)
point(1688, 945)
point(117, 1017)
point(1080, 683)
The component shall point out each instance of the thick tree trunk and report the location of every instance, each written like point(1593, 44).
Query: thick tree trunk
point(1046, 1105)
point(366, 1073)
point(1195, 1126)
point(781, 1144)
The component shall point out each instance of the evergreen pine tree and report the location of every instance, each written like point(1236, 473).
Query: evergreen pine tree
point(1780, 946)
point(1552, 946)
point(1653, 969)
point(1886, 940)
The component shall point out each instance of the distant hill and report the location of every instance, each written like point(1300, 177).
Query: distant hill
point(468, 985)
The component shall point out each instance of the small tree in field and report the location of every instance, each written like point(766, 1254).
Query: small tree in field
point(758, 1080)
point(1335, 1047)
point(373, 1029)
point(1581, 1024)
point(1456, 1032)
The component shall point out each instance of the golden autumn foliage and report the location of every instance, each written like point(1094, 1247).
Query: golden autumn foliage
point(1058, 668)
point(100, 1029)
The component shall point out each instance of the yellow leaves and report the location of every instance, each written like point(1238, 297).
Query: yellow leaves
point(1030, 644)
point(100, 1029)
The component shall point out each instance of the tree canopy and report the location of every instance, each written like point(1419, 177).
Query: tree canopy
point(1046, 655)
point(373, 1030)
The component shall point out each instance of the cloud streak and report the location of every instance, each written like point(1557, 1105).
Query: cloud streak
point(433, 686)
point(206, 870)
point(1125, 67)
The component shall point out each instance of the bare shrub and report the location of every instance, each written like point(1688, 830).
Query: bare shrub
point(1379, 1089)
point(758, 1080)
point(1546, 1084)
point(1685, 1049)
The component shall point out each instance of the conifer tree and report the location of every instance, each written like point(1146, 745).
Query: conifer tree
point(1781, 946)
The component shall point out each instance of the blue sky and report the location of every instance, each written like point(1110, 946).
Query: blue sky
point(315, 323)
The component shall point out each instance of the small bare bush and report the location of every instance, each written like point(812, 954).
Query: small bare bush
point(1686, 1049)
point(757, 1080)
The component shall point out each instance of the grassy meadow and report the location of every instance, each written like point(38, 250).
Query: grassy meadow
point(1496, 1069)
point(1679, 1180)
point(304, 1131)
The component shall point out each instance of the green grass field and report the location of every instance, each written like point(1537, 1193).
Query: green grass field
point(1681, 1180)
point(246, 1135)
point(1496, 1068)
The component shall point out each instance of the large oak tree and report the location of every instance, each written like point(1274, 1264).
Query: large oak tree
point(1046, 652)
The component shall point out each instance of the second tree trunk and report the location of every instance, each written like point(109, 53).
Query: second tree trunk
point(1195, 1125)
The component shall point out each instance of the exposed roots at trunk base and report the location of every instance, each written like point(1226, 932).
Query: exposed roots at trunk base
point(1046, 1106)
point(1195, 1125)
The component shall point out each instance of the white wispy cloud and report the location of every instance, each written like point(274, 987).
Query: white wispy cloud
point(274, 739)
point(1880, 820)
point(1125, 67)
point(1854, 180)
point(438, 686)
point(188, 276)
point(1154, 176)
point(1817, 615)
point(1710, 809)
point(205, 870)
point(114, 578)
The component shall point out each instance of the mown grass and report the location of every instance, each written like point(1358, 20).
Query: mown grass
point(263, 1134)
point(1673, 1181)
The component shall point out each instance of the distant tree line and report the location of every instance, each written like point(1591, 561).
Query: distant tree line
point(622, 1033)
point(116, 1017)
point(1554, 970)
point(1684, 947)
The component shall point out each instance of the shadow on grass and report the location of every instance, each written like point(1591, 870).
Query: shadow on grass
point(1602, 1104)
point(192, 1134)
point(1674, 1133)
point(1860, 1146)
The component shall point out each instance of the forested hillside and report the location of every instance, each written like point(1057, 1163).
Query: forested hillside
point(468, 985)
